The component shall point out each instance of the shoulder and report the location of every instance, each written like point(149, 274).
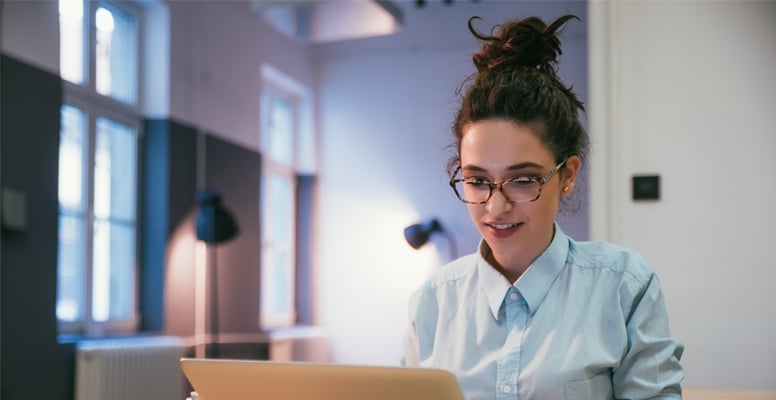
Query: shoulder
point(446, 279)
point(459, 269)
point(614, 258)
point(616, 270)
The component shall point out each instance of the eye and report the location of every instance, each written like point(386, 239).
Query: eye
point(477, 182)
point(523, 181)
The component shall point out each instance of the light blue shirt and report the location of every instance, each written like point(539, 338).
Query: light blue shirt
point(586, 320)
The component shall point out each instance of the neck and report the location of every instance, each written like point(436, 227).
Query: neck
point(512, 273)
point(515, 269)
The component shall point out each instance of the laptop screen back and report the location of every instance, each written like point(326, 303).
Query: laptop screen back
point(215, 379)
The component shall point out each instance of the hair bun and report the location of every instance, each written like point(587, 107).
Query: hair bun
point(523, 43)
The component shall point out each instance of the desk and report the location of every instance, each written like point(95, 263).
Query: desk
point(296, 343)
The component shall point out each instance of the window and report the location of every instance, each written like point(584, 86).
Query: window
point(285, 144)
point(98, 167)
point(109, 66)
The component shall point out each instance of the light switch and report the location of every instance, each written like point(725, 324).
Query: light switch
point(646, 187)
point(14, 209)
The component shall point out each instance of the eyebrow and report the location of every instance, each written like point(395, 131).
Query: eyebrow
point(514, 167)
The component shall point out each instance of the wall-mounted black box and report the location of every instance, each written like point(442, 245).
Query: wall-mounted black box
point(646, 187)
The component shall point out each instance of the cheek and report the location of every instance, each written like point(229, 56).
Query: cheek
point(547, 209)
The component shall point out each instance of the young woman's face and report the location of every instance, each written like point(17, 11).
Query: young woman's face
point(516, 232)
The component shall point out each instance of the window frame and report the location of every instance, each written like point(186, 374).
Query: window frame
point(84, 96)
point(86, 324)
point(276, 84)
point(272, 169)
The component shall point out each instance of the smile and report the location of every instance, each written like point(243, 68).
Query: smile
point(502, 231)
point(502, 226)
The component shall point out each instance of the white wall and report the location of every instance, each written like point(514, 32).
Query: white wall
point(218, 48)
point(386, 105)
point(30, 32)
point(687, 90)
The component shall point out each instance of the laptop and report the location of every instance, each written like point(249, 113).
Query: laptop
point(220, 379)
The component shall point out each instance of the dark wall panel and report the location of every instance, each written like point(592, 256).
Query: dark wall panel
point(169, 176)
point(234, 172)
point(183, 173)
point(305, 215)
point(153, 227)
point(33, 364)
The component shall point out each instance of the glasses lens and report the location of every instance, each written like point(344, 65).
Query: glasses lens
point(522, 190)
point(472, 192)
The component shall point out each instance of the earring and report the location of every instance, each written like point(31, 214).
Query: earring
point(566, 189)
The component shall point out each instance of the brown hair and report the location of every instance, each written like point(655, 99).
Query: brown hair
point(516, 80)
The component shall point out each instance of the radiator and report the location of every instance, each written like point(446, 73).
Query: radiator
point(130, 369)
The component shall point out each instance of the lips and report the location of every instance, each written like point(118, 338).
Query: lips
point(502, 230)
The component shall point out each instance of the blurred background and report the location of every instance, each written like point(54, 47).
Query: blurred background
point(324, 128)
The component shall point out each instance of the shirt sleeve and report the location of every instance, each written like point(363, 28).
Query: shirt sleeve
point(411, 351)
point(650, 368)
point(420, 331)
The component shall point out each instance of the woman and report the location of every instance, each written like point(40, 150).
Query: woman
point(534, 314)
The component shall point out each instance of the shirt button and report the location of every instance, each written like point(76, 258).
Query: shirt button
point(513, 296)
point(507, 389)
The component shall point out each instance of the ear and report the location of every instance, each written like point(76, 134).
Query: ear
point(569, 175)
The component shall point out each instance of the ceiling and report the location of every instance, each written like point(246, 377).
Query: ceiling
point(327, 21)
point(322, 21)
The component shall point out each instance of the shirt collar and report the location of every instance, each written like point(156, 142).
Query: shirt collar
point(535, 282)
point(492, 282)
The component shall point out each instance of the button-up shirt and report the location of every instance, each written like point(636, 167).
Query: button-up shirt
point(586, 320)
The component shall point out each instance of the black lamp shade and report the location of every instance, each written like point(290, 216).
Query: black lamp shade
point(215, 224)
point(418, 234)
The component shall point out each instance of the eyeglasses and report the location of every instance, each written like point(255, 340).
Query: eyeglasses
point(522, 189)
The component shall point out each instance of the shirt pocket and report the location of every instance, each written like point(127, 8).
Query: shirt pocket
point(598, 387)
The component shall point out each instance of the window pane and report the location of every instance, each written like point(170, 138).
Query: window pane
point(114, 227)
point(116, 53)
point(114, 171)
point(279, 140)
point(71, 40)
point(277, 283)
point(278, 211)
point(277, 288)
point(113, 277)
point(71, 268)
point(281, 270)
point(72, 147)
point(71, 263)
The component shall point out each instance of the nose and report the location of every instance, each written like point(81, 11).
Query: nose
point(499, 203)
